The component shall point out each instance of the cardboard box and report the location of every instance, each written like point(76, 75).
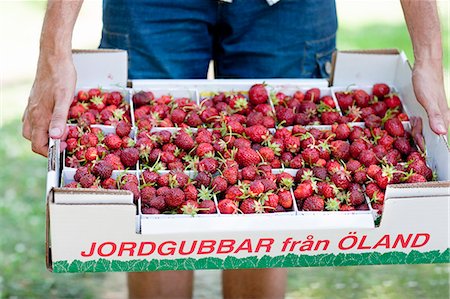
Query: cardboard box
point(93, 231)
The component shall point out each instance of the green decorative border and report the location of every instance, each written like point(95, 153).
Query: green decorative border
point(230, 262)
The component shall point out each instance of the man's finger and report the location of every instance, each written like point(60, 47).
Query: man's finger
point(39, 141)
point(436, 118)
point(416, 132)
point(26, 128)
point(59, 118)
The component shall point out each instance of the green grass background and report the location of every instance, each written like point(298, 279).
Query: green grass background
point(22, 183)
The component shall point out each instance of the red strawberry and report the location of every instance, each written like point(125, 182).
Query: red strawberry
point(416, 178)
point(340, 149)
point(256, 188)
point(102, 169)
point(328, 100)
point(361, 98)
point(83, 96)
point(346, 208)
point(157, 202)
point(177, 116)
point(372, 121)
point(219, 184)
point(380, 90)
point(314, 203)
point(392, 101)
point(285, 199)
point(129, 157)
point(310, 155)
point(403, 146)
point(175, 197)
point(360, 176)
point(148, 193)
point(340, 179)
point(91, 154)
point(342, 131)
point(203, 149)
point(80, 172)
point(394, 127)
point(329, 117)
point(247, 157)
point(123, 128)
point(371, 188)
point(345, 100)
point(87, 180)
point(257, 133)
point(420, 167)
point(142, 98)
point(356, 197)
point(325, 189)
point(184, 141)
point(367, 157)
point(303, 191)
point(109, 183)
point(112, 141)
point(231, 175)
point(227, 206)
point(313, 95)
point(258, 94)
point(208, 165)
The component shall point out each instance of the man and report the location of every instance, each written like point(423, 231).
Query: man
point(246, 38)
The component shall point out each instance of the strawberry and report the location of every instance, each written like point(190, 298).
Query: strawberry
point(312, 95)
point(340, 179)
point(416, 178)
point(342, 131)
point(325, 189)
point(102, 169)
point(109, 183)
point(258, 94)
point(356, 197)
point(380, 90)
point(371, 188)
point(380, 151)
point(267, 154)
point(394, 127)
point(142, 98)
point(360, 176)
point(148, 193)
point(80, 172)
point(227, 206)
point(133, 188)
point(346, 208)
point(178, 116)
point(303, 190)
point(150, 210)
point(157, 202)
point(310, 155)
point(83, 96)
point(420, 167)
point(112, 141)
point(379, 108)
point(285, 199)
point(208, 165)
point(123, 129)
point(203, 149)
point(372, 121)
point(361, 98)
point(129, 157)
point(367, 157)
point(345, 100)
point(175, 197)
point(340, 149)
point(256, 188)
point(247, 157)
point(329, 117)
point(231, 175)
point(257, 133)
point(184, 141)
point(403, 146)
point(392, 101)
point(285, 115)
point(91, 154)
point(313, 203)
point(219, 184)
point(87, 180)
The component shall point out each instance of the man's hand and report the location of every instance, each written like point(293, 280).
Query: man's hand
point(49, 102)
point(429, 89)
point(54, 85)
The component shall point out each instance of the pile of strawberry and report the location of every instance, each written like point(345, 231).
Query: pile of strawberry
point(175, 193)
point(98, 175)
point(338, 164)
point(88, 145)
point(357, 105)
point(258, 190)
point(96, 106)
point(213, 112)
point(309, 108)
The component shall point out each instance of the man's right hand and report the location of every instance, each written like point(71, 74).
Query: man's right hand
point(49, 101)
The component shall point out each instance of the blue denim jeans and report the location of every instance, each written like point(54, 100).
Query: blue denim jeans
point(246, 39)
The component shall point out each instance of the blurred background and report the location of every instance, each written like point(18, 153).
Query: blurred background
point(363, 24)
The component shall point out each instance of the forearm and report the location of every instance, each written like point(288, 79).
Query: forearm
point(60, 18)
point(424, 28)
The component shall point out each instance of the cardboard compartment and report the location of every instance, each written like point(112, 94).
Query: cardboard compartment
point(93, 237)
